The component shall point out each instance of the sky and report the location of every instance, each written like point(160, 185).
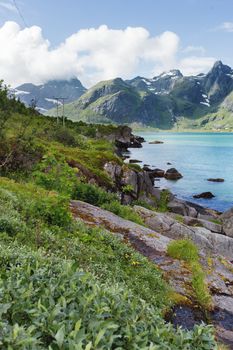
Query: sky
point(102, 39)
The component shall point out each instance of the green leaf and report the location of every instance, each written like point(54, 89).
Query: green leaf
point(60, 335)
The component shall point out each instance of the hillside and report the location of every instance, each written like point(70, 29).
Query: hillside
point(167, 101)
point(81, 266)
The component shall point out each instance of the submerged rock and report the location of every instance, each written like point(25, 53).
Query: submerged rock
point(156, 142)
point(216, 180)
point(204, 195)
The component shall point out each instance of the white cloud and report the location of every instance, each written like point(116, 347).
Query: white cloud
point(6, 5)
point(194, 65)
point(90, 54)
point(197, 49)
point(226, 27)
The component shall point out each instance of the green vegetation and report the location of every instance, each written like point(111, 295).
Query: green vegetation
point(163, 202)
point(124, 211)
point(65, 285)
point(186, 250)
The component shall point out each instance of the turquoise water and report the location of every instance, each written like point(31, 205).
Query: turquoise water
point(198, 156)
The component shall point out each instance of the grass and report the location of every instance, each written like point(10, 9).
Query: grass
point(186, 250)
point(163, 202)
point(63, 284)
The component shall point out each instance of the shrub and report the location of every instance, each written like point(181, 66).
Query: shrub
point(53, 173)
point(183, 249)
point(123, 211)
point(50, 303)
point(34, 203)
point(92, 194)
point(187, 251)
point(163, 202)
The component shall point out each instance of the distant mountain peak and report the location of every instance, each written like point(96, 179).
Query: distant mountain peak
point(171, 73)
point(45, 94)
point(220, 67)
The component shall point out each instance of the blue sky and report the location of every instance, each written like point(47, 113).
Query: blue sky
point(203, 28)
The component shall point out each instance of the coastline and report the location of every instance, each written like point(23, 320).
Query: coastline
point(197, 157)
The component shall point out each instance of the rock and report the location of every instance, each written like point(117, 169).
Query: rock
point(130, 178)
point(216, 180)
point(157, 173)
point(192, 212)
point(147, 168)
point(208, 242)
point(227, 219)
point(114, 171)
point(134, 161)
point(172, 174)
point(168, 163)
point(204, 195)
point(209, 225)
point(178, 207)
point(95, 216)
point(156, 142)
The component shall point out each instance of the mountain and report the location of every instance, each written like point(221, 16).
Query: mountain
point(44, 95)
point(160, 85)
point(119, 102)
point(165, 101)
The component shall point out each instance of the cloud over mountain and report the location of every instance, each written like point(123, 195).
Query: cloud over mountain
point(91, 54)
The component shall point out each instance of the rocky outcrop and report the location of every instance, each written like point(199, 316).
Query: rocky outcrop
point(182, 208)
point(139, 185)
point(227, 219)
point(209, 225)
point(172, 174)
point(95, 216)
point(153, 245)
point(208, 241)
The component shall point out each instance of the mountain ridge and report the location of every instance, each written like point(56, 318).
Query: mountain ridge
point(167, 101)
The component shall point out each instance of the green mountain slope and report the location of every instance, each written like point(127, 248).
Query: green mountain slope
point(164, 102)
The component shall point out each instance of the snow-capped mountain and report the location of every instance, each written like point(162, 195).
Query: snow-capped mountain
point(44, 96)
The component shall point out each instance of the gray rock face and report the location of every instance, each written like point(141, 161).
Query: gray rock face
point(139, 182)
point(99, 217)
point(209, 225)
point(153, 245)
point(180, 207)
point(227, 219)
point(207, 241)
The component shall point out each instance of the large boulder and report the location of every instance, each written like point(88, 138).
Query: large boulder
point(180, 207)
point(227, 219)
point(172, 174)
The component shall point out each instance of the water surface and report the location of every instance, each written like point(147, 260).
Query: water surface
point(198, 156)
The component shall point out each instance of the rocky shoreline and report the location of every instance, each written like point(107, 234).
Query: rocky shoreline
point(209, 229)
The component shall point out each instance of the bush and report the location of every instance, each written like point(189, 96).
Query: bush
point(123, 211)
point(53, 173)
point(183, 249)
point(34, 203)
point(92, 194)
point(48, 303)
